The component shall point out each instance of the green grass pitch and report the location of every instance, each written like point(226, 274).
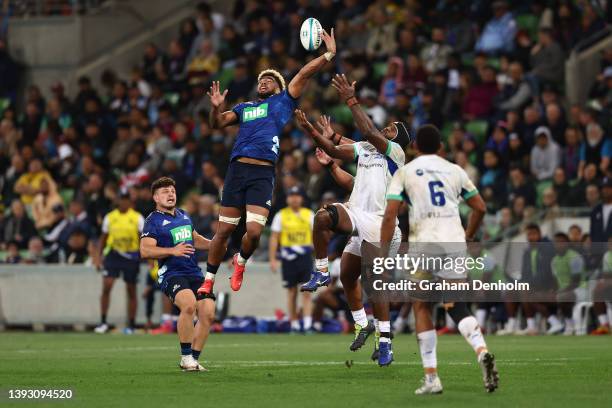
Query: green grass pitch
point(301, 371)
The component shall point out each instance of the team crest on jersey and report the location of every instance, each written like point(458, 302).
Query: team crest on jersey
point(181, 234)
point(255, 112)
point(419, 172)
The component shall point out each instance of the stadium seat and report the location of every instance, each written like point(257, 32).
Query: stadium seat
point(224, 77)
point(478, 128)
point(67, 195)
point(342, 114)
point(529, 23)
point(379, 70)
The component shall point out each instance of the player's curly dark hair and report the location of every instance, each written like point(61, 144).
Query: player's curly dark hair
point(161, 183)
point(428, 139)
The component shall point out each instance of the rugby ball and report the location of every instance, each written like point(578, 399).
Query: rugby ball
point(311, 34)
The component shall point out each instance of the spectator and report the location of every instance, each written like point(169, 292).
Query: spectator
point(517, 93)
point(595, 149)
point(435, 54)
point(517, 154)
point(12, 253)
point(28, 184)
point(520, 186)
point(478, 102)
point(601, 215)
point(392, 83)
point(43, 203)
point(204, 64)
point(563, 190)
point(18, 227)
point(570, 155)
point(35, 254)
point(498, 34)
point(373, 109)
point(381, 36)
point(555, 121)
point(547, 58)
point(545, 155)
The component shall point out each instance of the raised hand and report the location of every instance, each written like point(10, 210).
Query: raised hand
point(302, 120)
point(345, 89)
point(183, 249)
point(329, 40)
point(216, 97)
point(325, 127)
point(322, 157)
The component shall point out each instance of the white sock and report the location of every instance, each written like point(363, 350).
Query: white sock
point(318, 326)
point(450, 323)
point(531, 323)
point(360, 317)
point(511, 325)
point(469, 329)
point(166, 317)
point(209, 276)
point(322, 265)
point(427, 346)
point(241, 261)
point(569, 323)
point(307, 320)
point(295, 325)
point(376, 325)
point(553, 320)
point(481, 317)
point(175, 318)
point(385, 327)
point(603, 320)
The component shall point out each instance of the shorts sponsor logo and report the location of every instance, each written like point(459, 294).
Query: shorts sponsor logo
point(255, 112)
point(181, 234)
point(175, 287)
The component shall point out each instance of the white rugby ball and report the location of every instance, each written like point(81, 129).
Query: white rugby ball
point(311, 34)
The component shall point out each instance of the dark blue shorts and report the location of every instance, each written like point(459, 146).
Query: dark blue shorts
point(174, 284)
point(116, 265)
point(296, 271)
point(248, 184)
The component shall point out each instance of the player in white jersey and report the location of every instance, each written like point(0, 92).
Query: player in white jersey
point(433, 188)
point(377, 158)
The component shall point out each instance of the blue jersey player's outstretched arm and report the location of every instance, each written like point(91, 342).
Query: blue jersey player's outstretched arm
point(219, 118)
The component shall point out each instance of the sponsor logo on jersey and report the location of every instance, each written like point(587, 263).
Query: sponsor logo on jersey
point(181, 234)
point(165, 222)
point(255, 112)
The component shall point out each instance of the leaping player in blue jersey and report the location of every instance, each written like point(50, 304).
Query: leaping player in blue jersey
point(169, 237)
point(249, 181)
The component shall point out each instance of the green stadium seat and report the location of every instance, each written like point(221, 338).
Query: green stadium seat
point(529, 23)
point(379, 70)
point(342, 114)
point(67, 195)
point(446, 130)
point(224, 77)
point(478, 128)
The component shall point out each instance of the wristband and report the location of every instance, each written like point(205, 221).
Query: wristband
point(329, 55)
point(352, 101)
point(333, 138)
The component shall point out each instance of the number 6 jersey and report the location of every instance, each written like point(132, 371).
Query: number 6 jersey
point(432, 186)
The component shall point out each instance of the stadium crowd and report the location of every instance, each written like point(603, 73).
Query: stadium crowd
point(490, 75)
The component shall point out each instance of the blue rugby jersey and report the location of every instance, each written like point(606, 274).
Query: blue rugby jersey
point(261, 124)
point(170, 231)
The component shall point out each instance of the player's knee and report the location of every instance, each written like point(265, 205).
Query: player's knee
point(224, 231)
point(188, 308)
point(322, 219)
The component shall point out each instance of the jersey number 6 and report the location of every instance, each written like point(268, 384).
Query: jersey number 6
point(437, 197)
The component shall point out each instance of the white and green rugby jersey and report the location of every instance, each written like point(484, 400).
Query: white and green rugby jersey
point(374, 173)
point(433, 187)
